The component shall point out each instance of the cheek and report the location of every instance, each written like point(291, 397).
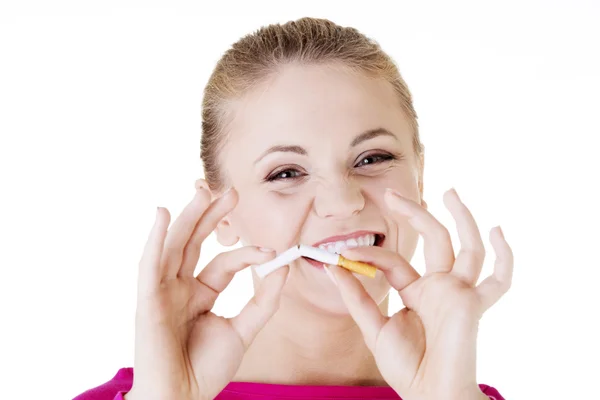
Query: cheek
point(270, 219)
point(400, 180)
point(402, 236)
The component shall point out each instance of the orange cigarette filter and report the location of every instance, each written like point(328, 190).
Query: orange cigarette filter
point(358, 267)
point(317, 254)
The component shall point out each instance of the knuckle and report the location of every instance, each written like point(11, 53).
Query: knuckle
point(222, 257)
point(193, 245)
point(510, 254)
point(270, 307)
point(474, 256)
point(442, 234)
point(363, 298)
point(244, 255)
point(255, 251)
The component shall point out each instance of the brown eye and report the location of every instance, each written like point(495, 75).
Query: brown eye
point(374, 159)
point(286, 174)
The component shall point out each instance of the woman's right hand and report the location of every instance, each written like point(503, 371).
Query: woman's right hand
point(183, 350)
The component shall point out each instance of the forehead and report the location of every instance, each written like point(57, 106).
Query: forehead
point(301, 104)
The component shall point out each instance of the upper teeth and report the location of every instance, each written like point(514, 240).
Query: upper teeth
point(336, 247)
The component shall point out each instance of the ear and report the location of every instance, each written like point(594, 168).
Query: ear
point(201, 183)
point(421, 170)
point(225, 233)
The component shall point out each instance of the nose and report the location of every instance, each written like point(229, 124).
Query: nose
point(339, 200)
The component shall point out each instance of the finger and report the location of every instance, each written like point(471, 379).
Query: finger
point(469, 260)
point(396, 269)
point(220, 271)
point(495, 285)
point(361, 305)
point(437, 244)
point(257, 312)
point(207, 224)
point(149, 274)
point(180, 232)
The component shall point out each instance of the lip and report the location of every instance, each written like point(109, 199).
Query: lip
point(352, 235)
point(314, 263)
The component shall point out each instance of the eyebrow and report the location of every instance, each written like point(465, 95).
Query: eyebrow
point(364, 136)
point(370, 134)
point(285, 149)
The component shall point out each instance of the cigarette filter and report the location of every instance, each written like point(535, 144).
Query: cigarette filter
point(335, 259)
point(317, 254)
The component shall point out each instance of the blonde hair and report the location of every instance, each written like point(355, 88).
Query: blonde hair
point(257, 56)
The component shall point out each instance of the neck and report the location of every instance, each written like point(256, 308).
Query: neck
point(301, 345)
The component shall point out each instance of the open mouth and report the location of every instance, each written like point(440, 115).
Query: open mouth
point(369, 239)
point(379, 239)
point(336, 247)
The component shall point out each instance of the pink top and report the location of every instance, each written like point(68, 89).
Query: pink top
point(122, 381)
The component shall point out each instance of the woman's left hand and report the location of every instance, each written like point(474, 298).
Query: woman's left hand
point(428, 349)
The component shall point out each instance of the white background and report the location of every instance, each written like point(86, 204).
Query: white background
point(100, 123)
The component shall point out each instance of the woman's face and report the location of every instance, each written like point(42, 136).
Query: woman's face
point(311, 153)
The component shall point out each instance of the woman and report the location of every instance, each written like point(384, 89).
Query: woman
point(310, 136)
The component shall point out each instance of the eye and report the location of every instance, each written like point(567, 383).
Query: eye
point(284, 175)
point(376, 158)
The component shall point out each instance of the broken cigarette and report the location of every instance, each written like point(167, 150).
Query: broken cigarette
point(317, 254)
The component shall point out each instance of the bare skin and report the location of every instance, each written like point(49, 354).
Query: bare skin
point(335, 188)
point(179, 341)
point(346, 165)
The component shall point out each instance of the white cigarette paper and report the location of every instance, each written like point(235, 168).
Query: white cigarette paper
point(281, 260)
point(294, 253)
point(319, 255)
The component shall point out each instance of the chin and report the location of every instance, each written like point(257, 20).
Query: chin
point(325, 298)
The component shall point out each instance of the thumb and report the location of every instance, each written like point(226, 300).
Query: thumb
point(260, 308)
point(361, 305)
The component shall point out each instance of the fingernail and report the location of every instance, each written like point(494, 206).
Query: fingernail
point(226, 193)
point(394, 192)
point(346, 253)
point(265, 249)
point(330, 274)
point(501, 232)
point(398, 202)
point(453, 190)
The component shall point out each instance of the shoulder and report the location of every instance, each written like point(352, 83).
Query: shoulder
point(121, 382)
point(491, 392)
